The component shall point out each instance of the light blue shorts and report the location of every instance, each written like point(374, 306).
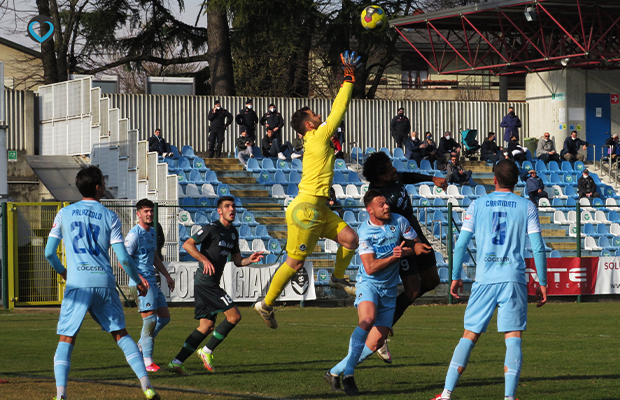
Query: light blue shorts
point(153, 300)
point(384, 299)
point(509, 297)
point(103, 305)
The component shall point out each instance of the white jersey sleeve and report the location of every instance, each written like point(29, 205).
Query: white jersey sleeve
point(131, 242)
point(469, 221)
point(116, 234)
point(533, 223)
point(365, 241)
point(405, 229)
point(56, 230)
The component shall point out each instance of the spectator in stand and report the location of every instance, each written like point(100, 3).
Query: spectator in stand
point(515, 150)
point(586, 186)
point(271, 148)
point(448, 146)
point(535, 187)
point(244, 144)
point(340, 133)
point(400, 127)
point(298, 147)
point(511, 123)
point(614, 147)
point(158, 144)
point(247, 120)
point(489, 151)
point(273, 119)
point(455, 172)
point(220, 120)
point(430, 151)
point(337, 147)
point(414, 148)
point(546, 149)
point(333, 203)
point(571, 147)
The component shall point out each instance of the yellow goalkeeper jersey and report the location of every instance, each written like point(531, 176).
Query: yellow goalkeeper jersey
point(318, 162)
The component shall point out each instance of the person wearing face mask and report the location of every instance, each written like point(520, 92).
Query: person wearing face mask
point(586, 187)
point(414, 148)
point(400, 128)
point(546, 149)
point(511, 124)
point(247, 120)
point(219, 119)
point(571, 147)
point(489, 151)
point(448, 146)
point(515, 150)
point(430, 151)
point(273, 119)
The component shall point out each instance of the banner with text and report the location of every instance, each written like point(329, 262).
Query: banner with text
point(243, 284)
point(575, 276)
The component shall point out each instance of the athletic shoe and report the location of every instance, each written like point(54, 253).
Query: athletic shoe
point(296, 155)
point(384, 353)
point(440, 397)
point(178, 369)
point(207, 359)
point(343, 284)
point(153, 367)
point(61, 398)
point(266, 313)
point(251, 155)
point(350, 388)
point(151, 394)
point(281, 156)
point(334, 381)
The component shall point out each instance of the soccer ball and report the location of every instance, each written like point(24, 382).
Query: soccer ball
point(373, 17)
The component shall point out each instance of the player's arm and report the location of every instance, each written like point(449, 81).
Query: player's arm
point(192, 250)
point(411, 244)
point(53, 241)
point(244, 262)
point(130, 267)
point(373, 265)
point(538, 250)
point(162, 269)
point(467, 232)
point(414, 177)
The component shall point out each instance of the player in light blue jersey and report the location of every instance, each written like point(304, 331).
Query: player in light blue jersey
point(383, 240)
point(501, 221)
point(89, 229)
point(141, 246)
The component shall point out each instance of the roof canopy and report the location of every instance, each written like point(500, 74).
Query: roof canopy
point(514, 36)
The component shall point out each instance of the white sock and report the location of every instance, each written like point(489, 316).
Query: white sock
point(148, 361)
point(446, 393)
point(509, 398)
point(145, 382)
point(61, 391)
point(207, 350)
point(177, 361)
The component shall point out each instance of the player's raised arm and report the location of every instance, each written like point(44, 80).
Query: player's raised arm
point(244, 262)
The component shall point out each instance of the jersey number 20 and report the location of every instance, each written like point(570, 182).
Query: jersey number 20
point(91, 232)
point(499, 228)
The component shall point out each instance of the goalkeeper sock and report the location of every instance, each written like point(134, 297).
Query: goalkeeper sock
point(458, 363)
point(146, 339)
point(280, 279)
point(191, 344)
point(512, 366)
point(134, 358)
point(219, 334)
point(62, 365)
point(343, 259)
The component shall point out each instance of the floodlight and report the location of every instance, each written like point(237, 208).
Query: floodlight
point(530, 14)
point(565, 61)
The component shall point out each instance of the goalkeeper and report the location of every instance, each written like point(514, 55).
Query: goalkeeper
point(308, 218)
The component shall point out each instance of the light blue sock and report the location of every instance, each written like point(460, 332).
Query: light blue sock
point(512, 365)
point(161, 323)
point(146, 340)
point(134, 358)
point(458, 363)
point(356, 345)
point(339, 368)
point(62, 364)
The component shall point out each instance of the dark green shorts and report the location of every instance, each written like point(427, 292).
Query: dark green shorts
point(210, 301)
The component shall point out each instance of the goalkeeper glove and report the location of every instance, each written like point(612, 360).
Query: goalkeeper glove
point(350, 62)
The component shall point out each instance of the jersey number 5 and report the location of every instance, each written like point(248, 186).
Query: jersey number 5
point(91, 232)
point(499, 228)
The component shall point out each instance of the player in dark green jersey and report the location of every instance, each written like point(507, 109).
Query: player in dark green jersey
point(418, 273)
point(217, 239)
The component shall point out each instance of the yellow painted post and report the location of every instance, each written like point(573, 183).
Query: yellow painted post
point(63, 258)
point(12, 252)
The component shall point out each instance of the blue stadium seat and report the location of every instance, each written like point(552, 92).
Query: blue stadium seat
point(438, 232)
point(362, 216)
point(444, 276)
point(569, 179)
point(222, 190)
point(369, 151)
point(570, 192)
point(540, 166)
point(412, 191)
point(340, 165)
point(566, 167)
point(605, 253)
point(214, 215)
point(350, 219)
point(557, 202)
point(204, 203)
point(350, 202)
point(184, 165)
point(571, 202)
point(588, 230)
point(604, 243)
point(175, 152)
point(199, 164)
point(274, 247)
point(257, 153)
point(399, 154)
point(202, 218)
point(245, 232)
point(439, 259)
point(195, 177)
point(555, 178)
point(211, 177)
point(189, 204)
point(553, 166)
point(268, 165)
point(261, 232)
point(294, 177)
point(282, 165)
point(187, 151)
point(527, 165)
point(252, 165)
point(248, 218)
point(237, 221)
point(292, 190)
point(172, 165)
point(238, 205)
point(386, 151)
point(527, 254)
point(265, 179)
point(412, 166)
point(296, 164)
point(425, 165)
point(339, 178)
point(398, 164)
point(354, 178)
point(555, 254)
point(271, 258)
point(480, 191)
point(439, 216)
point(183, 233)
point(579, 167)
point(357, 154)
point(280, 178)
point(617, 253)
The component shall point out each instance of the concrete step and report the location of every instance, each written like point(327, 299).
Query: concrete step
point(553, 232)
point(247, 186)
point(544, 220)
point(231, 180)
point(562, 245)
point(249, 193)
point(215, 163)
point(234, 174)
point(322, 263)
point(278, 234)
point(225, 167)
point(483, 181)
point(271, 221)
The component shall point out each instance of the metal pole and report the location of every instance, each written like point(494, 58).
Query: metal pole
point(579, 240)
point(5, 258)
point(155, 223)
point(449, 239)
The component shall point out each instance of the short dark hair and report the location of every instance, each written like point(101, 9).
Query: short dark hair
point(157, 129)
point(298, 119)
point(491, 134)
point(144, 203)
point(87, 180)
point(507, 173)
point(223, 199)
point(375, 166)
point(370, 196)
point(573, 131)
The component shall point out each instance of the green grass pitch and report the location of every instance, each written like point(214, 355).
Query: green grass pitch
point(571, 351)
